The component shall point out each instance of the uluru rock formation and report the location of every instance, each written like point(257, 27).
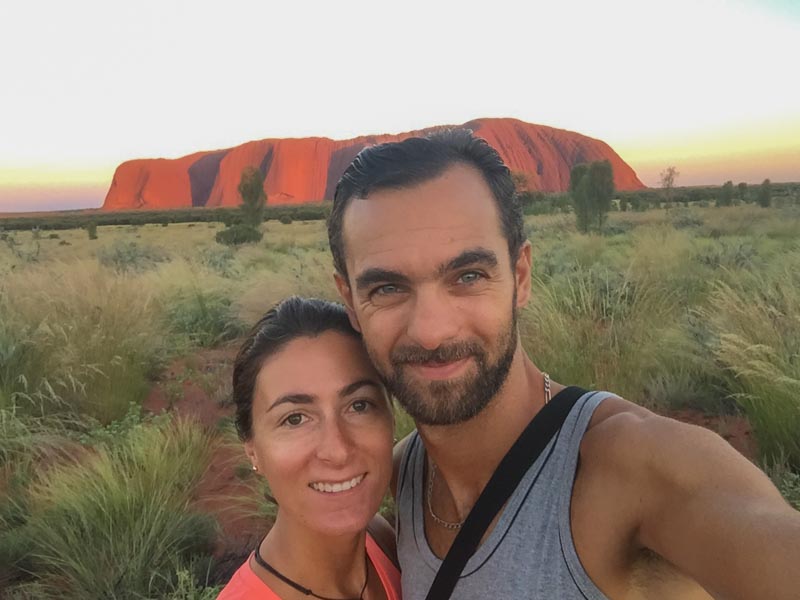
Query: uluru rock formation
point(307, 169)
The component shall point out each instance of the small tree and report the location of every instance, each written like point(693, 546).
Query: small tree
point(600, 190)
point(742, 189)
point(251, 189)
point(91, 229)
point(726, 194)
point(592, 188)
point(578, 185)
point(668, 177)
point(765, 193)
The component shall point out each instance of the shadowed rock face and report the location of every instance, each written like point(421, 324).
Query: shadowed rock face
point(307, 169)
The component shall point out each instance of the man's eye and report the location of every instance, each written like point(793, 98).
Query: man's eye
point(294, 419)
point(386, 290)
point(469, 277)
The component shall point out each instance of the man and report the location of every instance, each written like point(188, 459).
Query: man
point(432, 264)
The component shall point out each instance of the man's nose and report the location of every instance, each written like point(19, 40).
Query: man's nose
point(432, 320)
point(334, 445)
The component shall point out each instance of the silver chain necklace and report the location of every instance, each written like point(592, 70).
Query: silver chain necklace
point(453, 525)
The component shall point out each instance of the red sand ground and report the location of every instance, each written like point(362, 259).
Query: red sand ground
point(221, 490)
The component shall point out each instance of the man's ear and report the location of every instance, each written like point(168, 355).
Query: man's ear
point(522, 274)
point(346, 294)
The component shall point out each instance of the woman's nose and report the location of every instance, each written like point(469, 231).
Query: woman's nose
point(334, 445)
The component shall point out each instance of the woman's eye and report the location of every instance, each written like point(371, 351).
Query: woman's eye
point(294, 419)
point(360, 405)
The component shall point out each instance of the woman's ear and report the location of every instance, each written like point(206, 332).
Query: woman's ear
point(250, 451)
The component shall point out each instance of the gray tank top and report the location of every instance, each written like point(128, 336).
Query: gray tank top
point(530, 553)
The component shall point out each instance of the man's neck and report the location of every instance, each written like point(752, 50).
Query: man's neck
point(467, 454)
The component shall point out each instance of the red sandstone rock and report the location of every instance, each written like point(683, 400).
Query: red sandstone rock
point(307, 169)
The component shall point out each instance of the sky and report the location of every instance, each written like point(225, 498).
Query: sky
point(709, 86)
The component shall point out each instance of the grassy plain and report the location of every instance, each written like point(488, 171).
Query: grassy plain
point(682, 308)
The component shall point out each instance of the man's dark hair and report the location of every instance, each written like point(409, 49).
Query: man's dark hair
point(397, 165)
point(288, 320)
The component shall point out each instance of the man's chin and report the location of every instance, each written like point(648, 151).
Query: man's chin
point(438, 403)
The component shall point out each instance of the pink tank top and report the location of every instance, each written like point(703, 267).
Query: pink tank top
point(246, 585)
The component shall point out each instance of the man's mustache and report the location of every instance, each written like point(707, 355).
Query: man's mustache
point(442, 354)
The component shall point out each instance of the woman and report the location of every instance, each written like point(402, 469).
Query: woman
point(317, 423)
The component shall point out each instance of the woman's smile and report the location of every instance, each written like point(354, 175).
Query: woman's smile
point(328, 487)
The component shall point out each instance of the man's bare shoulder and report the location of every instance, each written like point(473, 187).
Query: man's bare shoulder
point(623, 435)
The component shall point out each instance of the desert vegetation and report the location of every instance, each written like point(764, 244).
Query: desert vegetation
point(689, 311)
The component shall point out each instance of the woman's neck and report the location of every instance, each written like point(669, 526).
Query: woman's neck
point(332, 566)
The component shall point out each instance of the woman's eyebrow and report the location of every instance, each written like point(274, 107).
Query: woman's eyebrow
point(292, 399)
point(352, 387)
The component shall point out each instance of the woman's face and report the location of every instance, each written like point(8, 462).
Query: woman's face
point(322, 433)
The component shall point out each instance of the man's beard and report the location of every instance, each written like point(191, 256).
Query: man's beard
point(454, 401)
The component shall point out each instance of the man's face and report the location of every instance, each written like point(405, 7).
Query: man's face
point(432, 289)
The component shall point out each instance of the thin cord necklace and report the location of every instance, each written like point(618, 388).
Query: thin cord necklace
point(303, 590)
point(455, 525)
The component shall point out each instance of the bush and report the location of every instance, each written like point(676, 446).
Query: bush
point(119, 524)
point(90, 348)
point(220, 260)
point(755, 323)
point(128, 256)
point(286, 219)
point(236, 235)
point(206, 318)
point(91, 229)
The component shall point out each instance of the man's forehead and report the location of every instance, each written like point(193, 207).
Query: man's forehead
point(454, 209)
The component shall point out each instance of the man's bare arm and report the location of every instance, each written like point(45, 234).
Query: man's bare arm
point(708, 510)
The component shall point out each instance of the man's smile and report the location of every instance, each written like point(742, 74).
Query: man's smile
point(440, 370)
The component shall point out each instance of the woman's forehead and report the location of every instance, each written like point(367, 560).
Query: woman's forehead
point(317, 366)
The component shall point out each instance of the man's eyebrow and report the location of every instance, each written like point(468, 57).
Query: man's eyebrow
point(378, 275)
point(356, 385)
point(475, 256)
point(292, 399)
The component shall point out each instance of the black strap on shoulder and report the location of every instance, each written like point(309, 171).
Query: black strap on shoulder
point(502, 484)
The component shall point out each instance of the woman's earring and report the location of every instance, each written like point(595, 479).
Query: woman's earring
point(255, 468)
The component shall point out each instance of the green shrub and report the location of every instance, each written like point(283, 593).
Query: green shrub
point(236, 235)
point(204, 317)
point(286, 219)
point(220, 260)
point(120, 524)
point(755, 324)
point(128, 256)
point(88, 349)
point(91, 229)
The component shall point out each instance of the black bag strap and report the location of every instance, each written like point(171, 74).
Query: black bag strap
point(512, 468)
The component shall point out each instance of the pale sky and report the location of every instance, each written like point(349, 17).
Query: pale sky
point(707, 85)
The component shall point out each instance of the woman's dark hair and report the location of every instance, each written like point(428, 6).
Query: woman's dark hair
point(397, 165)
point(288, 320)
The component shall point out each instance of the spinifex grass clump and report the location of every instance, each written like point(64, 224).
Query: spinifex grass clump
point(127, 256)
point(119, 524)
point(599, 328)
point(205, 317)
point(756, 327)
point(76, 338)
